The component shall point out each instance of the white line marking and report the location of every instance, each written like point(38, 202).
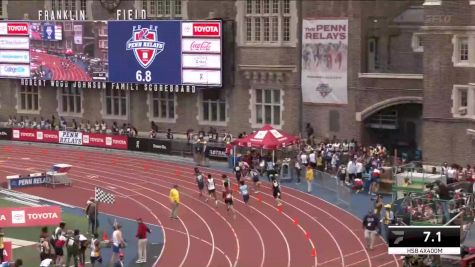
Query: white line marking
point(311, 196)
point(384, 264)
point(125, 188)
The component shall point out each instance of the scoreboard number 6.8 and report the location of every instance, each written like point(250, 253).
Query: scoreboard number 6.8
point(143, 78)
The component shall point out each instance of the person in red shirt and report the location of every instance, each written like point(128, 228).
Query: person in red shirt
point(228, 199)
point(142, 231)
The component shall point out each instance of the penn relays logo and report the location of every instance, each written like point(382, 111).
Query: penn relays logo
point(145, 45)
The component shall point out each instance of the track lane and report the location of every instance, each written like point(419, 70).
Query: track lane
point(184, 174)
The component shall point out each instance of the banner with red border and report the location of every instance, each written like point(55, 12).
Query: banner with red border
point(30, 216)
point(73, 138)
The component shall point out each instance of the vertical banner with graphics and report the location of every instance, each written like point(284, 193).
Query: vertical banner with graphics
point(325, 61)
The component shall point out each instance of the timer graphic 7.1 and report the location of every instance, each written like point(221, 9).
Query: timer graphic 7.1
point(424, 240)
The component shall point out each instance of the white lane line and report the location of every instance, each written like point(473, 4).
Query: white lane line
point(204, 241)
point(260, 237)
point(186, 229)
point(139, 203)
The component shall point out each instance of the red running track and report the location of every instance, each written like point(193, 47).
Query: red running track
point(307, 231)
point(52, 62)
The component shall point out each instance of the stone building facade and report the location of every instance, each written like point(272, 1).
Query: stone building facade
point(449, 79)
point(401, 74)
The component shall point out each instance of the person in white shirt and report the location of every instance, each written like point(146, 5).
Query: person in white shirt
point(304, 159)
point(211, 189)
point(63, 124)
point(117, 243)
point(34, 124)
point(103, 127)
point(27, 122)
point(97, 127)
point(334, 162)
point(312, 159)
point(351, 170)
point(451, 174)
point(359, 169)
point(444, 169)
point(88, 127)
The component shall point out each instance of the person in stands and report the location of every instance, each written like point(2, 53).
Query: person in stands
point(298, 170)
point(169, 134)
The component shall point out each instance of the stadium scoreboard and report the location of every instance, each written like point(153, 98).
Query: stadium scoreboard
point(161, 52)
point(424, 240)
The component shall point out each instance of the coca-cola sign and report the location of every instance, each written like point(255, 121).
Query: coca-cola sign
point(200, 46)
point(192, 45)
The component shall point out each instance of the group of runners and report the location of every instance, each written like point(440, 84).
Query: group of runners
point(242, 176)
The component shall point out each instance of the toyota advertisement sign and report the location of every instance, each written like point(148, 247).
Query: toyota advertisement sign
point(14, 50)
point(30, 216)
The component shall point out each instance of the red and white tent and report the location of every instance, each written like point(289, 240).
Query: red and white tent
point(267, 138)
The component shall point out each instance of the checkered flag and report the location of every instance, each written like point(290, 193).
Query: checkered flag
point(104, 197)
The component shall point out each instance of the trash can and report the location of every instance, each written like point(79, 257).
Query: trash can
point(286, 171)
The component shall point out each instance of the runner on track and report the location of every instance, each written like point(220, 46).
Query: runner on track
point(211, 189)
point(255, 179)
point(199, 181)
point(226, 180)
point(244, 191)
point(276, 190)
point(237, 171)
point(228, 199)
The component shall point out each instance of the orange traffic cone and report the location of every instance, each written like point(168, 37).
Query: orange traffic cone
point(104, 236)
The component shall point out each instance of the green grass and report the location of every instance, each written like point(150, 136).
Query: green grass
point(30, 254)
point(33, 233)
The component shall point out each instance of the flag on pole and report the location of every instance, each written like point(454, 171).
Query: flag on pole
point(104, 197)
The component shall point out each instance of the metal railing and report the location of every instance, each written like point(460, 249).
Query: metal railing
point(331, 185)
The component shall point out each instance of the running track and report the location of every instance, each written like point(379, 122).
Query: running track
point(307, 231)
point(52, 62)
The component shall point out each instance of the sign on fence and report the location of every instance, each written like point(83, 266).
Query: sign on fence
point(30, 216)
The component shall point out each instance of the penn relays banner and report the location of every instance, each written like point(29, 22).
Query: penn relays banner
point(70, 138)
point(30, 216)
point(325, 61)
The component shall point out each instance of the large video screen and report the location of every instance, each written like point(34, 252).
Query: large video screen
point(46, 31)
point(80, 54)
point(153, 52)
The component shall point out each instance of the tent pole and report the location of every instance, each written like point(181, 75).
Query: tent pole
point(234, 157)
point(273, 156)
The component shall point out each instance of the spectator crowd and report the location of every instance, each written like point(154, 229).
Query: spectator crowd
point(62, 125)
